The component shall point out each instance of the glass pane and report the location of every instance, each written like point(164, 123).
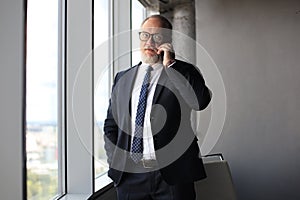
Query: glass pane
point(103, 77)
point(42, 99)
point(102, 72)
point(137, 16)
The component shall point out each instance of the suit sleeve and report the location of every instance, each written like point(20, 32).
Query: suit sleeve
point(190, 84)
point(110, 129)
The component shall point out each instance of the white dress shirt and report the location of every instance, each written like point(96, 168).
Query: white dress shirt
point(148, 145)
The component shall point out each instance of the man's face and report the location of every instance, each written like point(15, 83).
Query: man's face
point(152, 30)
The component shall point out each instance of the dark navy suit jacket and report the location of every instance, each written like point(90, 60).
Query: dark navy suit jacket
point(180, 89)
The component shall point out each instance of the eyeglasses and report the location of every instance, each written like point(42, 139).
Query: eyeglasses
point(157, 37)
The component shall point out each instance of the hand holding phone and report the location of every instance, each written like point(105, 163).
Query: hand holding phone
point(167, 53)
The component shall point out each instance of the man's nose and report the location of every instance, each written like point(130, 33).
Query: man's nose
point(150, 41)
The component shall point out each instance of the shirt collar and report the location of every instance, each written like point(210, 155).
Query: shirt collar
point(156, 66)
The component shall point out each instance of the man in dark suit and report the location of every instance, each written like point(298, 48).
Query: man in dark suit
point(151, 148)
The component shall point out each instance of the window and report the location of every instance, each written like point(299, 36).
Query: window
point(110, 32)
point(43, 109)
point(45, 120)
point(101, 77)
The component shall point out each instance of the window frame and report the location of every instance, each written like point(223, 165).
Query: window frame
point(118, 25)
point(119, 22)
point(61, 114)
point(79, 44)
point(62, 98)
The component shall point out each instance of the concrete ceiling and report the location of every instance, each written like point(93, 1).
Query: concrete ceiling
point(163, 5)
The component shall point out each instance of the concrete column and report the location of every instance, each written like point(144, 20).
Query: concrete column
point(184, 31)
point(184, 41)
point(152, 10)
point(182, 15)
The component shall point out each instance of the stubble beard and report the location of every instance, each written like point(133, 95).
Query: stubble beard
point(150, 59)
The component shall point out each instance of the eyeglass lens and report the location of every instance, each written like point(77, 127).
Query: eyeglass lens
point(144, 36)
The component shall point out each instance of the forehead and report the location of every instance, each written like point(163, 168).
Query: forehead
point(152, 25)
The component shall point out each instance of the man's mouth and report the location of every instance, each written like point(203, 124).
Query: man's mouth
point(152, 49)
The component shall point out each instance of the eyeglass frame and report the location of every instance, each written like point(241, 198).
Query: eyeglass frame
point(151, 36)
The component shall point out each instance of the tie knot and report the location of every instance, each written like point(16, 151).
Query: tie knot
point(149, 68)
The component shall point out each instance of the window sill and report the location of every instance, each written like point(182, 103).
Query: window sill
point(75, 197)
point(102, 181)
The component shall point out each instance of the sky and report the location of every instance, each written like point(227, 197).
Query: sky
point(42, 45)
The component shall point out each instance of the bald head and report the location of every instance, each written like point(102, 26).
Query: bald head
point(163, 21)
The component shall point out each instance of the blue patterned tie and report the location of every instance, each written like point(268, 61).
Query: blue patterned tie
point(137, 143)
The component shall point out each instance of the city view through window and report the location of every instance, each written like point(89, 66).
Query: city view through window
point(42, 99)
point(101, 98)
point(102, 84)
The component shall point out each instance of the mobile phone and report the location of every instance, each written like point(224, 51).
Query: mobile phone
point(161, 55)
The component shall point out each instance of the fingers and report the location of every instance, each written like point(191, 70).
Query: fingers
point(166, 47)
point(169, 54)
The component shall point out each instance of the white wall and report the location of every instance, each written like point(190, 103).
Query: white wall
point(256, 46)
point(11, 89)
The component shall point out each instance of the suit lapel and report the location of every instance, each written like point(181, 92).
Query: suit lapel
point(160, 86)
point(124, 111)
point(131, 80)
point(128, 82)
